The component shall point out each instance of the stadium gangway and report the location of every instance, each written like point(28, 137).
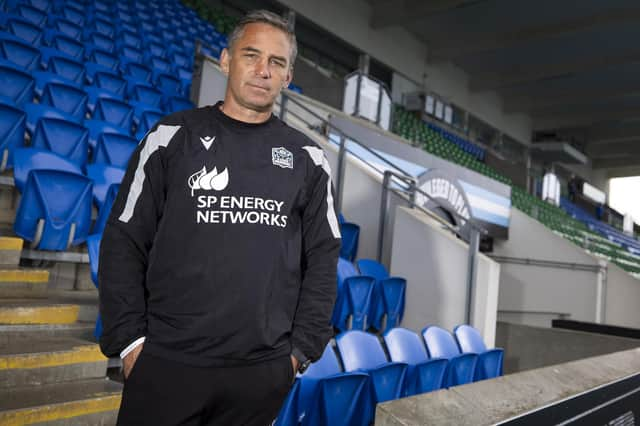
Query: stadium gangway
point(404, 186)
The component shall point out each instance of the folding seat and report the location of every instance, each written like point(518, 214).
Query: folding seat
point(324, 395)
point(105, 59)
point(144, 93)
point(93, 249)
point(65, 27)
point(126, 17)
point(169, 84)
point(55, 209)
point(147, 27)
point(350, 235)
point(97, 127)
point(73, 13)
point(18, 52)
point(105, 210)
point(42, 78)
point(103, 177)
point(159, 66)
point(180, 59)
point(441, 344)
point(67, 139)
point(91, 68)
point(186, 76)
point(102, 26)
point(35, 112)
point(110, 81)
point(131, 54)
point(16, 85)
point(27, 159)
point(12, 128)
point(68, 45)
point(176, 103)
point(156, 50)
point(130, 39)
point(21, 28)
point(71, 99)
point(362, 351)
point(489, 360)
point(146, 120)
point(68, 68)
point(114, 149)
point(388, 296)
point(44, 5)
point(100, 41)
point(130, 28)
point(423, 374)
point(138, 71)
point(103, 6)
point(95, 93)
point(32, 14)
point(353, 298)
point(114, 111)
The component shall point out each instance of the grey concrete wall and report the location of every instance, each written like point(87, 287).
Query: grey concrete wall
point(434, 262)
point(529, 347)
point(492, 401)
point(534, 294)
point(622, 300)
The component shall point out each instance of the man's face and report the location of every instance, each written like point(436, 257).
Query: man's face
point(258, 67)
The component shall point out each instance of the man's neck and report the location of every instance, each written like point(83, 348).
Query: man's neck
point(241, 113)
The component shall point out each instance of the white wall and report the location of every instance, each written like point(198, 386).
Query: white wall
point(404, 53)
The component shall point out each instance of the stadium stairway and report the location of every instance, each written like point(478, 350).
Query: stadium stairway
point(51, 370)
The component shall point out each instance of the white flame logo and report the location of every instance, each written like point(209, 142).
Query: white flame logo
point(208, 181)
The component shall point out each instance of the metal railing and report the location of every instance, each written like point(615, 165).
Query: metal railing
point(406, 188)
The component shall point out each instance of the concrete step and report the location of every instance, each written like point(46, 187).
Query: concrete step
point(36, 362)
point(87, 301)
point(25, 311)
point(91, 402)
point(23, 283)
point(10, 249)
point(17, 332)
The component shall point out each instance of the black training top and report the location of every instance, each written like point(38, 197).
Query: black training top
point(221, 247)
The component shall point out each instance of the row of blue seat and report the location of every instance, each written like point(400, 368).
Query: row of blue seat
point(331, 394)
point(462, 143)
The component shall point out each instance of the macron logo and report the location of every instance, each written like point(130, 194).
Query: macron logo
point(209, 181)
point(207, 141)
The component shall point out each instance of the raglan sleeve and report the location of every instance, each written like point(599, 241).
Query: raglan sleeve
point(127, 240)
point(321, 246)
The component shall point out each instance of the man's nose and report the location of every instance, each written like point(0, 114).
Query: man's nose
point(262, 69)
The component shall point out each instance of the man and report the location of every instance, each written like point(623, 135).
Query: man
point(218, 263)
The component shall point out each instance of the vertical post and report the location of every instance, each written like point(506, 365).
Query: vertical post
point(383, 213)
point(472, 271)
point(412, 193)
point(340, 173)
point(601, 293)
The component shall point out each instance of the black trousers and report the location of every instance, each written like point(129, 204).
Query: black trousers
point(162, 392)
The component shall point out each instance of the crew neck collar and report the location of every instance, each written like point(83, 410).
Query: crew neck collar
point(237, 124)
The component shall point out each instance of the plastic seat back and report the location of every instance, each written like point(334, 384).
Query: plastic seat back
point(405, 346)
point(15, 84)
point(105, 210)
point(65, 138)
point(103, 177)
point(67, 68)
point(114, 111)
point(490, 360)
point(55, 209)
point(360, 350)
point(19, 52)
point(12, 128)
point(70, 99)
point(111, 82)
point(114, 149)
point(350, 234)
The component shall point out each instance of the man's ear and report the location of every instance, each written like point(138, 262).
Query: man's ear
point(289, 78)
point(225, 57)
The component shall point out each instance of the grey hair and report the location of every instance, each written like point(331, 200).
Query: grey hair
point(265, 17)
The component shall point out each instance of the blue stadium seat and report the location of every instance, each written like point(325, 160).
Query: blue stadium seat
point(423, 374)
point(160, 67)
point(176, 103)
point(114, 149)
point(441, 344)
point(68, 45)
point(37, 111)
point(130, 54)
point(144, 93)
point(70, 99)
point(95, 93)
point(19, 52)
point(489, 361)
point(388, 296)
point(353, 298)
point(97, 127)
point(44, 5)
point(127, 38)
point(105, 59)
point(42, 78)
point(146, 121)
point(114, 111)
point(103, 177)
point(68, 68)
point(101, 26)
point(324, 395)
point(73, 14)
point(157, 51)
point(350, 235)
point(16, 85)
point(362, 351)
point(101, 41)
point(32, 14)
point(21, 28)
point(136, 70)
point(186, 76)
point(93, 249)
point(110, 81)
point(55, 209)
point(64, 27)
point(65, 138)
point(28, 159)
point(105, 210)
point(12, 127)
